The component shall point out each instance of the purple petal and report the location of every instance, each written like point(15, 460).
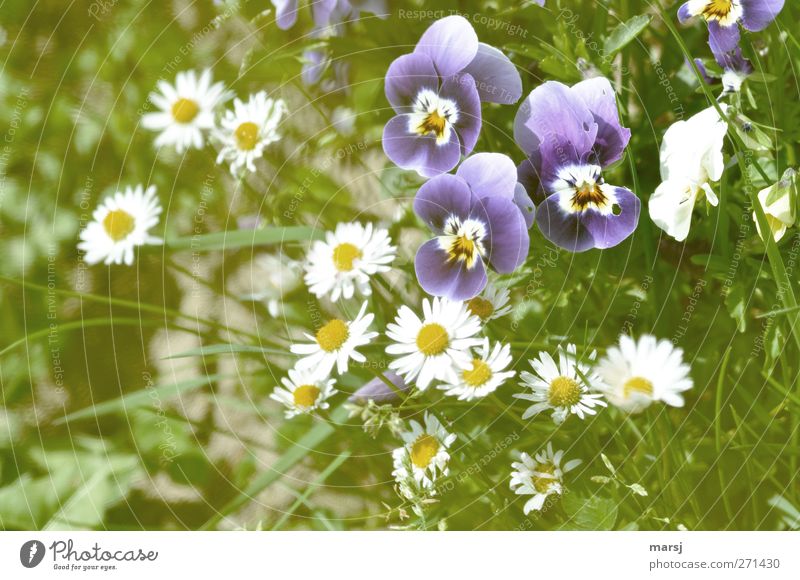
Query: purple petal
point(612, 137)
point(321, 12)
point(489, 174)
point(285, 13)
point(529, 175)
point(722, 38)
point(523, 135)
point(462, 90)
point(378, 391)
point(683, 13)
point(563, 229)
point(757, 14)
point(704, 72)
point(608, 231)
point(419, 152)
point(507, 237)
point(441, 197)
point(316, 62)
point(440, 276)
point(406, 77)
point(564, 125)
point(496, 77)
point(525, 204)
point(735, 61)
point(451, 43)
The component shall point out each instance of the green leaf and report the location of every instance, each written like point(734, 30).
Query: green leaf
point(138, 398)
point(214, 349)
point(624, 33)
point(589, 513)
point(236, 239)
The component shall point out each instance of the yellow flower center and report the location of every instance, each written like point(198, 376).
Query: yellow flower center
point(424, 450)
point(344, 255)
point(478, 375)
point(480, 307)
point(637, 385)
point(542, 483)
point(588, 195)
point(433, 123)
point(333, 335)
point(184, 110)
point(246, 136)
point(118, 224)
point(717, 9)
point(564, 392)
point(306, 395)
point(432, 339)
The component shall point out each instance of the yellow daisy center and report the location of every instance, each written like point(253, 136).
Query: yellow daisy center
point(118, 224)
point(306, 395)
point(424, 450)
point(480, 307)
point(246, 136)
point(432, 339)
point(637, 385)
point(540, 483)
point(184, 110)
point(564, 392)
point(333, 335)
point(478, 375)
point(344, 255)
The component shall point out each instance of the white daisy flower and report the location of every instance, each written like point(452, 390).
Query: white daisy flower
point(335, 343)
point(344, 262)
point(304, 391)
point(491, 303)
point(277, 277)
point(186, 110)
point(120, 223)
point(562, 387)
point(437, 346)
point(540, 476)
point(248, 129)
point(483, 375)
point(424, 456)
point(637, 373)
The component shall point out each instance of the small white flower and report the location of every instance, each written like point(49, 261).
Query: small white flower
point(436, 347)
point(637, 373)
point(540, 476)
point(778, 202)
point(346, 260)
point(562, 387)
point(491, 303)
point(276, 277)
point(119, 224)
point(248, 129)
point(483, 375)
point(335, 343)
point(691, 158)
point(304, 391)
point(186, 110)
point(424, 456)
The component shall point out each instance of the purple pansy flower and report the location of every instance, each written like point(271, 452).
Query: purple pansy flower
point(326, 12)
point(436, 92)
point(378, 391)
point(570, 135)
point(723, 18)
point(476, 223)
point(735, 68)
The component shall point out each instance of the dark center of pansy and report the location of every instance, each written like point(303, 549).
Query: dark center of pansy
point(433, 115)
point(581, 188)
point(726, 12)
point(463, 240)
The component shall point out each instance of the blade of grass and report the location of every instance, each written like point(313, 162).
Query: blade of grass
point(233, 240)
